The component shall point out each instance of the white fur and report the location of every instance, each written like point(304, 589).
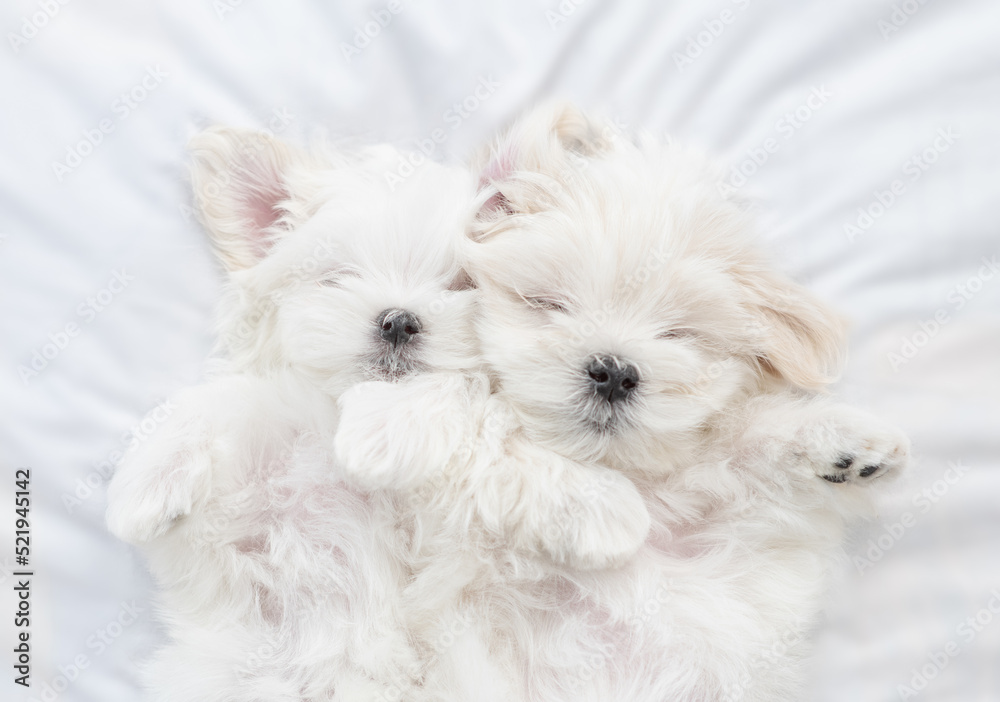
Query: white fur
point(594, 245)
point(279, 580)
point(331, 522)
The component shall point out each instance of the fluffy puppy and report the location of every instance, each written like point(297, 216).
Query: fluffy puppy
point(629, 322)
point(281, 581)
point(278, 580)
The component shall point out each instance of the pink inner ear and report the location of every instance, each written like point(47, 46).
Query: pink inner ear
point(262, 215)
point(499, 167)
point(498, 203)
point(263, 192)
point(497, 170)
point(462, 281)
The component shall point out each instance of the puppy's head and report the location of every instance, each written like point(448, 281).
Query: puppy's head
point(336, 271)
point(624, 309)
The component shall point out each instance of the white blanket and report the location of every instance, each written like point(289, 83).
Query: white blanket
point(867, 130)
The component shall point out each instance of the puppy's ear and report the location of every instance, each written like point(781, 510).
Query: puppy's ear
point(547, 141)
point(240, 180)
point(795, 335)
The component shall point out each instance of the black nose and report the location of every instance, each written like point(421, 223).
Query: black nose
point(612, 379)
point(398, 326)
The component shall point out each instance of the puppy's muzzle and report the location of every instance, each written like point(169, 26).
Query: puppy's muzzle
point(397, 327)
point(612, 379)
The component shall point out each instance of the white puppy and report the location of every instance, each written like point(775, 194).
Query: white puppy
point(629, 322)
point(278, 580)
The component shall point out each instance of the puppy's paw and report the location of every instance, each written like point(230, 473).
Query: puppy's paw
point(364, 445)
point(388, 659)
point(847, 445)
point(391, 435)
point(144, 500)
point(601, 524)
point(162, 477)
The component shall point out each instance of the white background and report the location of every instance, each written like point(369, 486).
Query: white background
point(122, 208)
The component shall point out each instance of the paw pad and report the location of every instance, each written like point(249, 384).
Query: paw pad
point(868, 471)
point(844, 473)
point(848, 446)
point(843, 464)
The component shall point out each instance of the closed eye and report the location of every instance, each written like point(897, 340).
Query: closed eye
point(335, 278)
point(462, 281)
point(544, 303)
point(674, 333)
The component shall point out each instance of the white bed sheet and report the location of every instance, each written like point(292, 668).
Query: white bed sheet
point(871, 91)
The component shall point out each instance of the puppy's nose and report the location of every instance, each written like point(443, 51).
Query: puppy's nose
point(398, 326)
point(612, 379)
